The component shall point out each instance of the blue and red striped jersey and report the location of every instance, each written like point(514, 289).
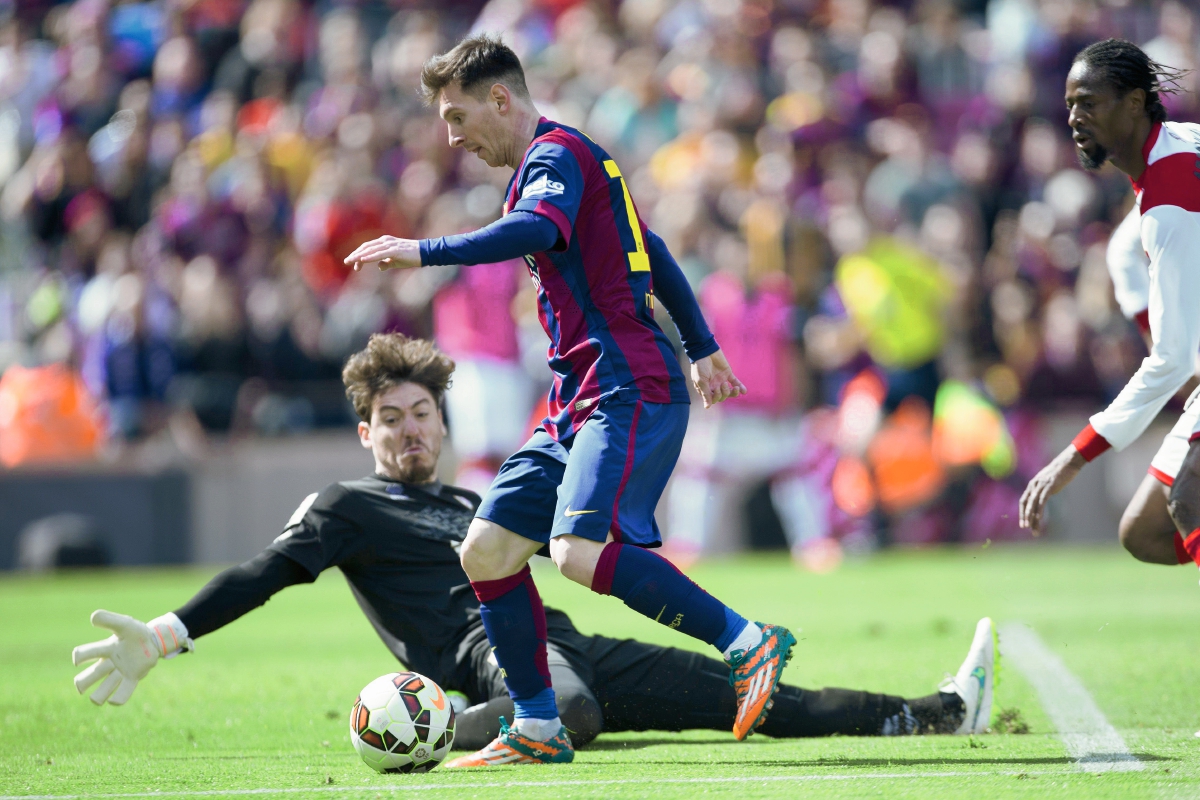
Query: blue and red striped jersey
point(595, 296)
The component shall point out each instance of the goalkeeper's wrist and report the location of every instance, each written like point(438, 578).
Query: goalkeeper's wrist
point(170, 635)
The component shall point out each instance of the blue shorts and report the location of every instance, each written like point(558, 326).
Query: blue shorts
point(608, 476)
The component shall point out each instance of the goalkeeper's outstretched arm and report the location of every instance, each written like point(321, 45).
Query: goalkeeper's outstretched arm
point(135, 647)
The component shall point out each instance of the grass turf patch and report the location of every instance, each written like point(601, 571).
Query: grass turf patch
point(263, 703)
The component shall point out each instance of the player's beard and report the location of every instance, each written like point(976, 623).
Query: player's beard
point(416, 470)
point(1095, 159)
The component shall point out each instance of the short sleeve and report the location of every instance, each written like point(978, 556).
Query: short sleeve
point(551, 185)
point(319, 535)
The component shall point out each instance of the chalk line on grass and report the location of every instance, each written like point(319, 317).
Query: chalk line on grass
point(429, 787)
point(1083, 728)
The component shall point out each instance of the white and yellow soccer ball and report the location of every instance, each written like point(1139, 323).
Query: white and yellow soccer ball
point(402, 722)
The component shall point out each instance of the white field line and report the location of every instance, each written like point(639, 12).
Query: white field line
point(1087, 735)
point(432, 787)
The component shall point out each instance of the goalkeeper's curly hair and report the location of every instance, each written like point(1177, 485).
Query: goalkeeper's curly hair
point(1126, 67)
point(390, 359)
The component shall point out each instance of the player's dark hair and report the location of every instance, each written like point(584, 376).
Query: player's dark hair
point(1126, 67)
point(390, 359)
point(475, 64)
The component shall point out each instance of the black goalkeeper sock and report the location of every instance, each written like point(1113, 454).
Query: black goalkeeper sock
point(937, 713)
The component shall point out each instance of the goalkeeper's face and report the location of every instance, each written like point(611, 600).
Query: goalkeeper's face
point(405, 433)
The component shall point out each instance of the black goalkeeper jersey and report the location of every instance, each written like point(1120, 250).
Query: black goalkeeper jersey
point(397, 544)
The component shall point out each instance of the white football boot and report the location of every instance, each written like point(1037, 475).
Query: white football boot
point(976, 680)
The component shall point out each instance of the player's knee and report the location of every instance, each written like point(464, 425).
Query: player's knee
point(560, 551)
point(581, 715)
point(1132, 537)
point(573, 558)
point(484, 555)
point(472, 554)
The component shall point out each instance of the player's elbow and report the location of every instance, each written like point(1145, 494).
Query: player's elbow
point(1180, 374)
point(1169, 368)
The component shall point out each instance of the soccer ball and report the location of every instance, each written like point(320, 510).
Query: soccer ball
point(402, 722)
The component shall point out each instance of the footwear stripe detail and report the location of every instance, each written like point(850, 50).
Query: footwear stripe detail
point(758, 682)
point(1083, 728)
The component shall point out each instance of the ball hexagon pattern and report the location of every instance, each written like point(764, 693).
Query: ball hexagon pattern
point(402, 722)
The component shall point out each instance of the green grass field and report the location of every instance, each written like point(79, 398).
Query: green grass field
point(262, 705)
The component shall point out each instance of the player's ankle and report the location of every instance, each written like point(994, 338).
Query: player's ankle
point(901, 723)
point(941, 712)
point(540, 730)
point(747, 639)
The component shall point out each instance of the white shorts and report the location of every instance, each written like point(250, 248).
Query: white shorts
point(1169, 459)
point(488, 404)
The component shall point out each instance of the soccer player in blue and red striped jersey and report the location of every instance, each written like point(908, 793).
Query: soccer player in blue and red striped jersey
point(589, 479)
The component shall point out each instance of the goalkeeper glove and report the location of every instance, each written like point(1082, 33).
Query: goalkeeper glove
point(127, 655)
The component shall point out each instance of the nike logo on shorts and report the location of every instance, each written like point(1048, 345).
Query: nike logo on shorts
point(570, 513)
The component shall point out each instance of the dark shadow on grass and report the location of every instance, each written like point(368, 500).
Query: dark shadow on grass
point(638, 744)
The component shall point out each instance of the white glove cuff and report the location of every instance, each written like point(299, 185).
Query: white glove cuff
point(170, 635)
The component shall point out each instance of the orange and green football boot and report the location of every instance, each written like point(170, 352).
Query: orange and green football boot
point(510, 747)
point(755, 675)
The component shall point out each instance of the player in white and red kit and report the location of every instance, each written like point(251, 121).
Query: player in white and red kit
point(1115, 114)
point(1129, 268)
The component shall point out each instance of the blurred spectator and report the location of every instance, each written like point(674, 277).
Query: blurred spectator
point(46, 416)
point(490, 400)
point(747, 440)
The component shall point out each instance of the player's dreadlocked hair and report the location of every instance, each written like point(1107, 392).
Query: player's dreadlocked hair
point(390, 359)
point(1124, 65)
point(475, 64)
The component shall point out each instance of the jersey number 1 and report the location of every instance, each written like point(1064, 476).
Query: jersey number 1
point(639, 261)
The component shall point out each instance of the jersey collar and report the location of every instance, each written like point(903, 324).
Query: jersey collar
point(544, 126)
point(401, 489)
point(1151, 140)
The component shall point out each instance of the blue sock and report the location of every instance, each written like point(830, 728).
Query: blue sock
point(652, 586)
point(734, 624)
point(540, 706)
point(515, 622)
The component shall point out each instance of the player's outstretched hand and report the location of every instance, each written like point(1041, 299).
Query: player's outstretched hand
point(388, 252)
point(1052, 479)
point(124, 658)
point(714, 379)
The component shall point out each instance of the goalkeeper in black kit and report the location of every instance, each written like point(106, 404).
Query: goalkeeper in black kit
point(395, 536)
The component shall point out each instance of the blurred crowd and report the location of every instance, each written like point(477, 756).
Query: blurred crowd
point(876, 202)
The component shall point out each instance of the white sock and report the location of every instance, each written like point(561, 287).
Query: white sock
point(540, 730)
point(750, 636)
